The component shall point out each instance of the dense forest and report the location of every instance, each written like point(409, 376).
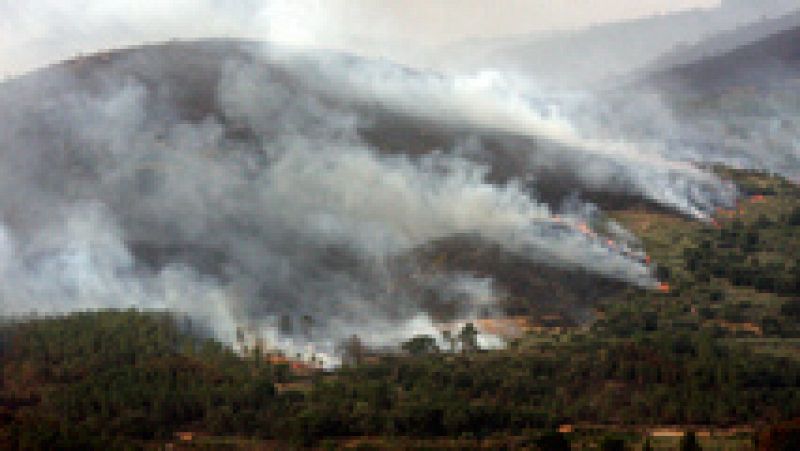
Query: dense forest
point(720, 349)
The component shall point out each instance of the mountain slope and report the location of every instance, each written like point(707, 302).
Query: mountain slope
point(153, 135)
point(719, 352)
point(726, 41)
point(603, 53)
point(771, 61)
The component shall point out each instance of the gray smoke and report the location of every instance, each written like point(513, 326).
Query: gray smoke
point(747, 128)
point(490, 102)
point(258, 202)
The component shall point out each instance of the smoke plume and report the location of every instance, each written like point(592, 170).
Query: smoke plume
point(245, 186)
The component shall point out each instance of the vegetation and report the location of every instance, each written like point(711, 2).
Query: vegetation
point(92, 379)
point(783, 436)
point(720, 349)
point(689, 442)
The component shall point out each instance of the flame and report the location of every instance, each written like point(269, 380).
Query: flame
point(664, 287)
point(757, 198)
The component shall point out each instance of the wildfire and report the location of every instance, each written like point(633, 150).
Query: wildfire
point(664, 287)
point(504, 327)
point(581, 227)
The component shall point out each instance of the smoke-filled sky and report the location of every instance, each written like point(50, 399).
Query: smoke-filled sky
point(37, 32)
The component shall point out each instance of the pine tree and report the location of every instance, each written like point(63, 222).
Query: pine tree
point(689, 442)
point(468, 338)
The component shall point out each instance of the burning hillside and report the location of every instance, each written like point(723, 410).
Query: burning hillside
point(310, 195)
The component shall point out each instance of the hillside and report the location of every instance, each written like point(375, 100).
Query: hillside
point(773, 61)
point(720, 349)
point(213, 242)
point(726, 41)
point(602, 54)
point(194, 181)
point(179, 85)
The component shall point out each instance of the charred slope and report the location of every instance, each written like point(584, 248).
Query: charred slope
point(527, 289)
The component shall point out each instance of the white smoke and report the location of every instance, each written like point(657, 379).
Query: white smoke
point(113, 199)
point(746, 129)
point(489, 102)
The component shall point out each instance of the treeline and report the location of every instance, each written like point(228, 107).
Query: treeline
point(663, 380)
point(695, 355)
point(105, 379)
point(94, 380)
point(764, 254)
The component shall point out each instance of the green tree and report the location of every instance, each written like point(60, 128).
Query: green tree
point(420, 345)
point(554, 441)
point(689, 442)
point(447, 336)
point(612, 444)
point(353, 350)
point(794, 217)
point(783, 436)
point(468, 337)
point(791, 309)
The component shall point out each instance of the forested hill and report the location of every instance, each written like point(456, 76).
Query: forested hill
point(720, 349)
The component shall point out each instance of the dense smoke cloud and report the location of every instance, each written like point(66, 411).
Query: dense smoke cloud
point(244, 186)
point(491, 103)
point(115, 199)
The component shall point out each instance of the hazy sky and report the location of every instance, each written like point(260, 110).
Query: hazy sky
point(440, 21)
point(37, 32)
